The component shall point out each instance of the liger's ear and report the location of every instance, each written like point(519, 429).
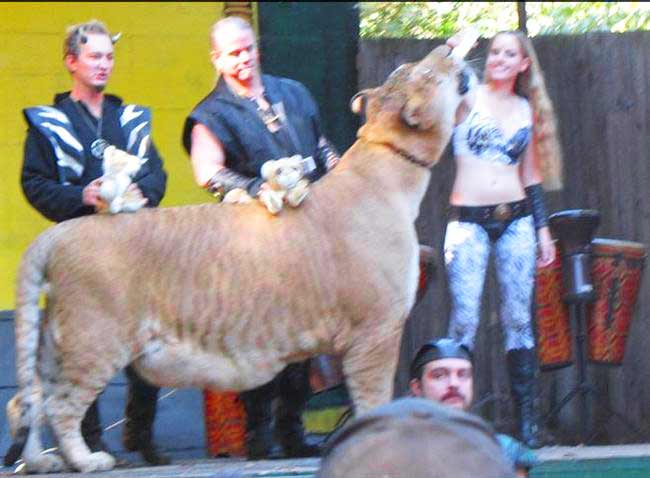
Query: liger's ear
point(359, 101)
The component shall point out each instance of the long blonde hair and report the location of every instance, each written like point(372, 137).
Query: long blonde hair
point(531, 85)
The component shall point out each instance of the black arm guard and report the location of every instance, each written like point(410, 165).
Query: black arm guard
point(535, 196)
point(226, 180)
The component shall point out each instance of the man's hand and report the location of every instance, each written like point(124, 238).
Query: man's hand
point(134, 192)
point(90, 194)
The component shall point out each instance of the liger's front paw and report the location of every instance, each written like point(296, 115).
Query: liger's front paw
point(47, 463)
point(98, 461)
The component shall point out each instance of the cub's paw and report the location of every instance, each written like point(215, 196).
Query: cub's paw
point(298, 194)
point(272, 201)
point(133, 205)
point(237, 196)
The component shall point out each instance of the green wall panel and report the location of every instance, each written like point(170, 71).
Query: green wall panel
point(316, 43)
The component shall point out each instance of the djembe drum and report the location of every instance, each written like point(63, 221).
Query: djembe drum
point(552, 322)
point(565, 281)
point(617, 267)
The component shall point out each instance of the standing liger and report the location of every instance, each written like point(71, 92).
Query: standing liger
point(225, 297)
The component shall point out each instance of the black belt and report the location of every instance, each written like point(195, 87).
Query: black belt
point(483, 214)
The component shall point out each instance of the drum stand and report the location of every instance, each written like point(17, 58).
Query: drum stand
point(583, 388)
point(574, 230)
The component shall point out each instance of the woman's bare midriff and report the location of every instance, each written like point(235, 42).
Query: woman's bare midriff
point(479, 183)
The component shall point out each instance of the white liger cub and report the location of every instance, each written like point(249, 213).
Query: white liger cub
point(285, 177)
point(119, 169)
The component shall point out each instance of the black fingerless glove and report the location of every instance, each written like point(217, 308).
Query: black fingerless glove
point(226, 179)
point(535, 196)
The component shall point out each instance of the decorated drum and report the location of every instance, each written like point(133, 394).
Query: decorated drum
point(554, 339)
point(616, 272)
point(225, 424)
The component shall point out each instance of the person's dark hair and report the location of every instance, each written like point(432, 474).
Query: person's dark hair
point(414, 438)
point(444, 347)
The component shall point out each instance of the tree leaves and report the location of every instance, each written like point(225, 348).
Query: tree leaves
point(442, 19)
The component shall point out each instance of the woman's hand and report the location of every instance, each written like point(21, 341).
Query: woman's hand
point(454, 40)
point(463, 41)
point(545, 247)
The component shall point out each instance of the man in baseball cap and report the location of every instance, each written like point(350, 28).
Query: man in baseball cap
point(441, 371)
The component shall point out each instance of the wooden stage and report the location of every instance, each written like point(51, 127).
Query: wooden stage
point(203, 468)
point(623, 461)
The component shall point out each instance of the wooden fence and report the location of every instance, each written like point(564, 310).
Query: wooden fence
point(599, 84)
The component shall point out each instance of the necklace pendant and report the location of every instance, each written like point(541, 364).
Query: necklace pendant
point(97, 148)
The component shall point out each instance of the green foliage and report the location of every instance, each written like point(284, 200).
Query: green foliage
point(547, 18)
point(442, 19)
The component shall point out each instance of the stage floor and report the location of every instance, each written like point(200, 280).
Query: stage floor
point(619, 461)
point(204, 468)
point(623, 461)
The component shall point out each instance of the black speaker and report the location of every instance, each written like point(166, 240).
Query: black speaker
point(574, 230)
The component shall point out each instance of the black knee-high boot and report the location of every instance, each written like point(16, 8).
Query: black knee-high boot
point(521, 368)
point(139, 418)
point(91, 428)
point(294, 392)
point(259, 434)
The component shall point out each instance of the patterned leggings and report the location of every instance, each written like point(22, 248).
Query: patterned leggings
point(467, 250)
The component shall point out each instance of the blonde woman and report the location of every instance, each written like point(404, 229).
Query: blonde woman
point(505, 146)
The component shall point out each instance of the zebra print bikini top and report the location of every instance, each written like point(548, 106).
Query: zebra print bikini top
point(479, 135)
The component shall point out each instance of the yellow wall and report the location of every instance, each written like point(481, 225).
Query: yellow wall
point(161, 61)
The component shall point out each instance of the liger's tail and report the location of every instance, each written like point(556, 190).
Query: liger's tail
point(30, 282)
